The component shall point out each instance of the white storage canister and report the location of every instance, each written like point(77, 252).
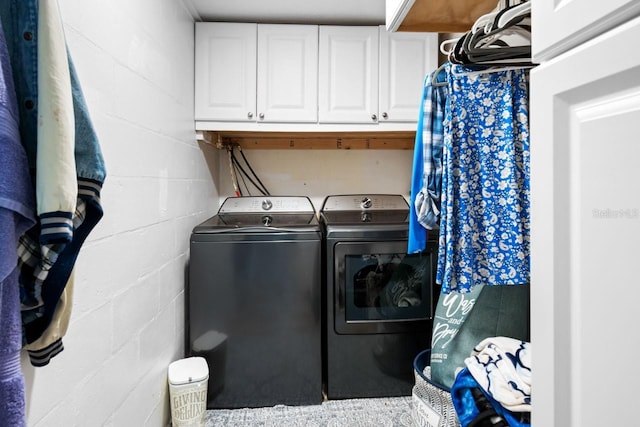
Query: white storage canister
point(188, 391)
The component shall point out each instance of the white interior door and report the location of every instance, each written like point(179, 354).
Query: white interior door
point(585, 204)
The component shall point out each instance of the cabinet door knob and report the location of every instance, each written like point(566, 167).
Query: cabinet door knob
point(385, 115)
point(261, 115)
point(374, 117)
point(250, 114)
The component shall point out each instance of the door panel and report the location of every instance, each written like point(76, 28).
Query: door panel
point(225, 72)
point(287, 73)
point(348, 76)
point(567, 23)
point(405, 60)
point(585, 207)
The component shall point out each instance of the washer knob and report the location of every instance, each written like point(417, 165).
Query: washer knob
point(267, 220)
point(365, 203)
point(266, 204)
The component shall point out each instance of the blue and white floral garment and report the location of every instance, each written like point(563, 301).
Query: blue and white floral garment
point(484, 227)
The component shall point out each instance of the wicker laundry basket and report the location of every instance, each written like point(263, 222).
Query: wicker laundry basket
point(431, 405)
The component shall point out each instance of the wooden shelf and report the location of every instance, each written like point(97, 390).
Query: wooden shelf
point(445, 16)
point(380, 140)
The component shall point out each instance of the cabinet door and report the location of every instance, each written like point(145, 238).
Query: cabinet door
point(225, 74)
point(405, 59)
point(568, 23)
point(585, 229)
point(348, 76)
point(287, 73)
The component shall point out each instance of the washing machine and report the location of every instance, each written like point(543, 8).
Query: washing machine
point(254, 302)
point(379, 300)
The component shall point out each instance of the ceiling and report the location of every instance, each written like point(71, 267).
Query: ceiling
point(327, 12)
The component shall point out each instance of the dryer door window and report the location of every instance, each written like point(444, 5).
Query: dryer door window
point(380, 288)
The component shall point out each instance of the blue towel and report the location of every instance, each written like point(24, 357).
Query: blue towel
point(12, 393)
point(17, 214)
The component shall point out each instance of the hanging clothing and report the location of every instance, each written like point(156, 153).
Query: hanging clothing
point(12, 386)
point(88, 212)
point(49, 344)
point(484, 230)
point(17, 214)
point(426, 181)
point(68, 211)
point(56, 182)
point(417, 239)
point(427, 204)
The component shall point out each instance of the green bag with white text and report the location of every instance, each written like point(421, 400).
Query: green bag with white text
point(462, 320)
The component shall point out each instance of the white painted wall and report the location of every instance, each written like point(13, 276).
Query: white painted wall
point(135, 62)
point(319, 173)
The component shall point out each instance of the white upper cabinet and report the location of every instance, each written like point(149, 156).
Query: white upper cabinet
point(285, 77)
point(225, 71)
point(564, 25)
point(405, 59)
point(287, 73)
point(348, 74)
point(256, 72)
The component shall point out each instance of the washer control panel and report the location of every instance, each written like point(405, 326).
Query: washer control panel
point(365, 202)
point(271, 204)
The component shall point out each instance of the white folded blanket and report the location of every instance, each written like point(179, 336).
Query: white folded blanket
point(502, 367)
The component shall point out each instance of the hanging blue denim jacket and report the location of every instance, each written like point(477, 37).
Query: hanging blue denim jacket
point(48, 251)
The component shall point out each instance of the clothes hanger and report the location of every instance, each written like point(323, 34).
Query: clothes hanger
point(488, 18)
point(435, 74)
point(458, 55)
point(491, 20)
point(513, 12)
point(499, 40)
point(510, 41)
point(483, 21)
point(447, 42)
point(488, 42)
point(490, 70)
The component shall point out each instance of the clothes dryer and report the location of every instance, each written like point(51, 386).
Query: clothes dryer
point(379, 300)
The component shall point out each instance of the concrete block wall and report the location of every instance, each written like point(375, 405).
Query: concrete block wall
point(135, 62)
